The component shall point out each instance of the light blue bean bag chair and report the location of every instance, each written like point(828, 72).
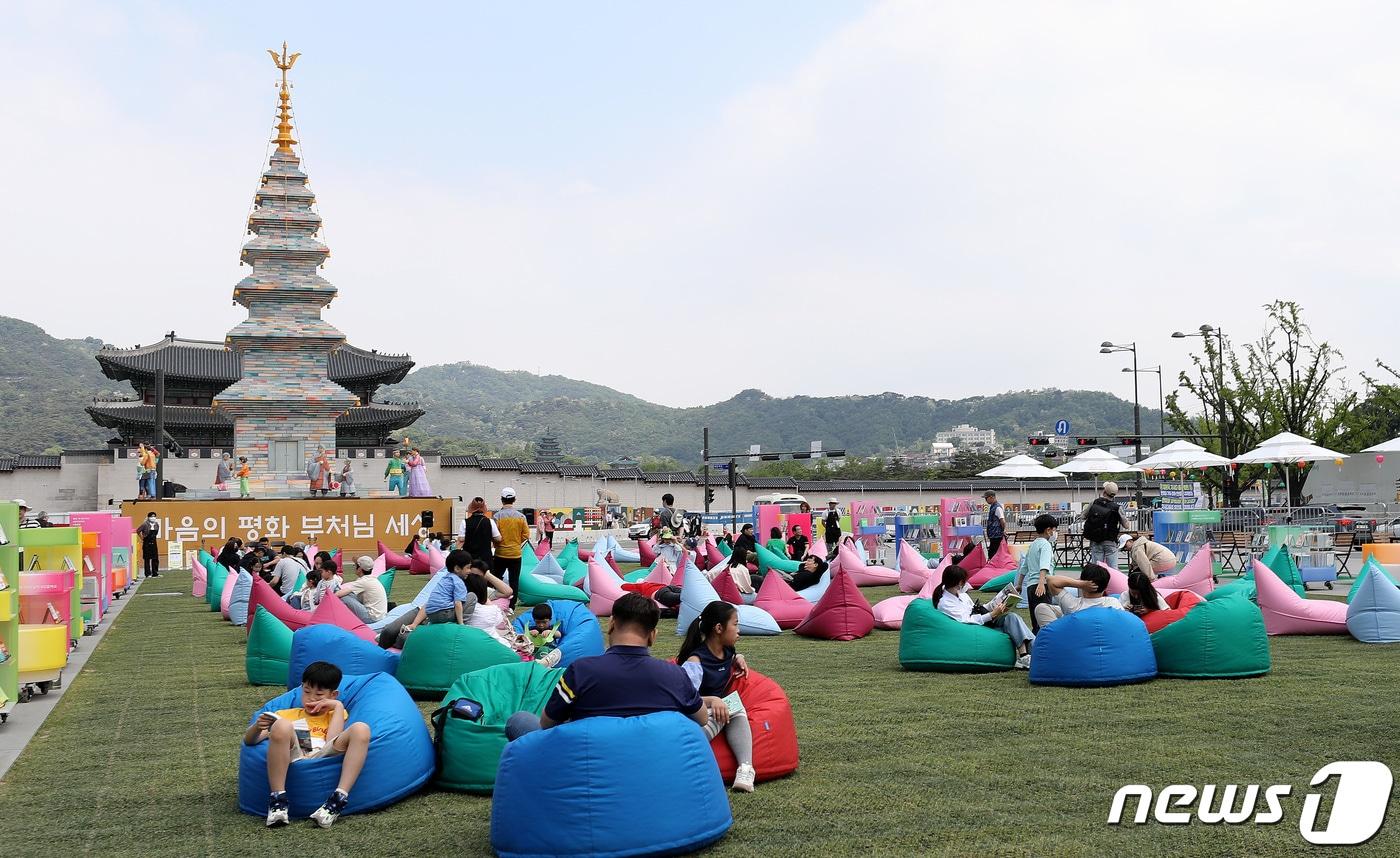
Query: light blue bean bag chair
point(697, 592)
point(571, 790)
point(1374, 613)
point(1371, 568)
point(354, 655)
point(549, 569)
point(815, 592)
point(418, 601)
point(1093, 647)
point(238, 600)
point(400, 760)
point(583, 636)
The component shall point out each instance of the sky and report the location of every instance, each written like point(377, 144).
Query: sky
point(817, 198)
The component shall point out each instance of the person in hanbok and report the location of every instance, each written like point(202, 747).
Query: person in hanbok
point(320, 473)
point(417, 476)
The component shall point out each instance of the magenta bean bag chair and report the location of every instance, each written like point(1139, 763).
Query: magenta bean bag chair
point(332, 612)
point(864, 576)
point(726, 588)
point(1287, 613)
point(427, 562)
point(974, 559)
point(913, 569)
point(777, 597)
point(263, 594)
point(660, 573)
point(712, 553)
point(226, 594)
point(1197, 575)
point(200, 588)
point(889, 613)
point(604, 588)
point(393, 558)
point(541, 550)
point(612, 564)
point(1004, 561)
point(841, 614)
point(646, 551)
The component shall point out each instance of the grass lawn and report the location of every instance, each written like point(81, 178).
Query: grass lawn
point(141, 754)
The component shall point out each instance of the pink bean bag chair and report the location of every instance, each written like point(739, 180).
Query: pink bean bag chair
point(332, 612)
point(393, 558)
point(612, 564)
point(913, 569)
point(1004, 561)
point(973, 560)
point(777, 597)
point(604, 588)
point(841, 614)
point(263, 594)
point(1197, 575)
point(864, 576)
point(727, 589)
point(889, 613)
point(646, 551)
point(660, 573)
point(310, 552)
point(541, 550)
point(1287, 613)
point(381, 565)
point(200, 588)
point(420, 562)
point(226, 594)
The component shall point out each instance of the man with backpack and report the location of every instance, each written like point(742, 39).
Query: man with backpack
point(1103, 522)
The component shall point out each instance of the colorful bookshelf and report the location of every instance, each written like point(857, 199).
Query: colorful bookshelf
point(53, 549)
point(9, 609)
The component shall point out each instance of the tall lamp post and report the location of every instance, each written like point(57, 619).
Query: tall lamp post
point(1161, 403)
point(1107, 348)
point(1222, 417)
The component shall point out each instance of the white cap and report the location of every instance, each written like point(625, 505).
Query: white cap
point(365, 564)
point(832, 500)
point(1110, 488)
point(507, 493)
point(20, 502)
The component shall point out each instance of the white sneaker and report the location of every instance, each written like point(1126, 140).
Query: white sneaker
point(1024, 662)
point(551, 658)
point(277, 811)
point(743, 778)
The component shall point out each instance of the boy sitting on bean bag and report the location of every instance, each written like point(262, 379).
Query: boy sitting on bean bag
point(314, 729)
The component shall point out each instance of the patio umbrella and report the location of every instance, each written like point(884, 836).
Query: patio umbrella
point(1020, 468)
point(1285, 448)
point(1182, 454)
point(1391, 446)
point(1096, 461)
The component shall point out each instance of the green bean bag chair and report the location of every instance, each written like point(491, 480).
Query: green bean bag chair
point(724, 548)
point(215, 575)
point(932, 640)
point(637, 575)
point(569, 553)
point(1216, 639)
point(435, 655)
point(470, 751)
point(998, 582)
point(386, 580)
point(269, 650)
point(533, 590)
point(1280, 562)
point(769, 560)
point(575, 571)
point(1370, 567)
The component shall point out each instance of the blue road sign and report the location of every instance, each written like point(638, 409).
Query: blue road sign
point(1062, 427)
point(722, 466)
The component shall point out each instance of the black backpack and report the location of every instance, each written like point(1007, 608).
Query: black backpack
point(1101, 521)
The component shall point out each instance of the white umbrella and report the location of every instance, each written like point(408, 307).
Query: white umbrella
point(1391, 446)
point(1287, 447)
point(1182, 454)
point(1097, 461)
point(1021, 467)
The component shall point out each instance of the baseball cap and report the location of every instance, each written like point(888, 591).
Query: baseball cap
point(832, 500)
point(666, 533)
point(507, 493)
point(1110, 488)
point(365, 564)
point(20, 502)
point(989, 494)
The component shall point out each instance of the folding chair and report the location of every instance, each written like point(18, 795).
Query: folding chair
point(1342, 545)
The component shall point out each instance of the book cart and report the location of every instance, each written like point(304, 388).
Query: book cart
point(9, 610)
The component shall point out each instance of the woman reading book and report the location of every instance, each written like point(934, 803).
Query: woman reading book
point(707, 655)
point(951, 598)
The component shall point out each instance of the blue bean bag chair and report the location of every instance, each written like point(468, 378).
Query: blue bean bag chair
point(697, 592)
point(569, 790)
point(1374, 613)
point(325, 642)
point(583, 636)
point(1093, 647)
point(238, 602)
point(399, 763)
point(1370, 568)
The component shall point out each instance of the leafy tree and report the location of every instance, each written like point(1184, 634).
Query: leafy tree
point(967, 464)
point(652, 464)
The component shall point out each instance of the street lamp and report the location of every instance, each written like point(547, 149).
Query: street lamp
point(1107, 348)
point(1205, 331)
point(1161, 407)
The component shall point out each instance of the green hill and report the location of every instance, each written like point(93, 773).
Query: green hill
point(45, 383)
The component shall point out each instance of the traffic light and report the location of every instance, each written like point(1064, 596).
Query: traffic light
point(709, 496)
point(1128, 442)
point(1038, 441)
point(1087, 442)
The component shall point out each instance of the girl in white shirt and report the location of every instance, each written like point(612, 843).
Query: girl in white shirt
point(951, 598)
point(496, 623)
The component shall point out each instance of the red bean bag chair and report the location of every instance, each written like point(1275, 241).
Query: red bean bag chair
point(777, 597)
point(604, 588)
point(333, 612)
point(862, 575)
point(646, 551)
point(1198, 575)
point(585, 554)
point(841, 614)
point(727, 589)
point(393, 558)
point(774, 732)
point(1002, 562)
point(1178, 603)
point(263, 594)
point(913, 569)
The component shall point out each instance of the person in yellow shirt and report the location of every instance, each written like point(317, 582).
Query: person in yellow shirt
point(316, 728)
point(515, 532)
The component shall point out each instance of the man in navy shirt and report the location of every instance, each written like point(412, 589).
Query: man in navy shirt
point(622, 682)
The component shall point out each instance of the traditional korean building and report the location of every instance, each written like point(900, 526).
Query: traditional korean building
point(284, 382)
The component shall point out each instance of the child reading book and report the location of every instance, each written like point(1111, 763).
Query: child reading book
point(316, 728)
point(951, 597)
point(707, 655)
point(543, 635)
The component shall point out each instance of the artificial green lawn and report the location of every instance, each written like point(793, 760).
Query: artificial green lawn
point(141, 754)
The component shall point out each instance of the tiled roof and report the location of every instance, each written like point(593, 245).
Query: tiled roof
point(721, 478)
point(539, 468)
point(116, 414)
point(214, 362)
point(500, 465)
point(11, 463)
point(348, 362)
point(459, 462)
point(668, 477)
point(578, 470)
point(772, 483)
point(389, 415)
point(621, 474)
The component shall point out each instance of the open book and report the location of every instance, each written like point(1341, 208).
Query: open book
point(734, 704)
point(1007, 595)
point(306, 747)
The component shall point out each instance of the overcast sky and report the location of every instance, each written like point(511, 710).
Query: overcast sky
point(945, 199)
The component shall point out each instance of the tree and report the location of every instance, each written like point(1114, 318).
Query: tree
point(652, 464)
point(1375, 418)
point(1283, 382)
point(967, 464)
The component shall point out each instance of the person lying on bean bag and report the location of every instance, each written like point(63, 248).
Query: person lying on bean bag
point(808, 573)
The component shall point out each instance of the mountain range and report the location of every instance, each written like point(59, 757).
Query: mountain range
point(45, 382)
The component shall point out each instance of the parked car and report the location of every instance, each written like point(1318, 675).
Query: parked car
point(639, 530)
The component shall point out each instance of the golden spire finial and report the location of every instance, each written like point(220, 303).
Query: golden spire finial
point(284, 139)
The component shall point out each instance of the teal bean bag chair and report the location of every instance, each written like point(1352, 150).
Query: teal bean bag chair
point(435, 655)
point(1216, 639)
point(575, 572)
point(724, 548)
point(216, 575)
point(933, 641)
point(1280, 562)
point(533, 590)
point(470, 751)
point(569, 553)
point(386, 580)
point(1366, 571)
point(998, 582)
point(269, 650)
point(1374, 615)
point(768, 559)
